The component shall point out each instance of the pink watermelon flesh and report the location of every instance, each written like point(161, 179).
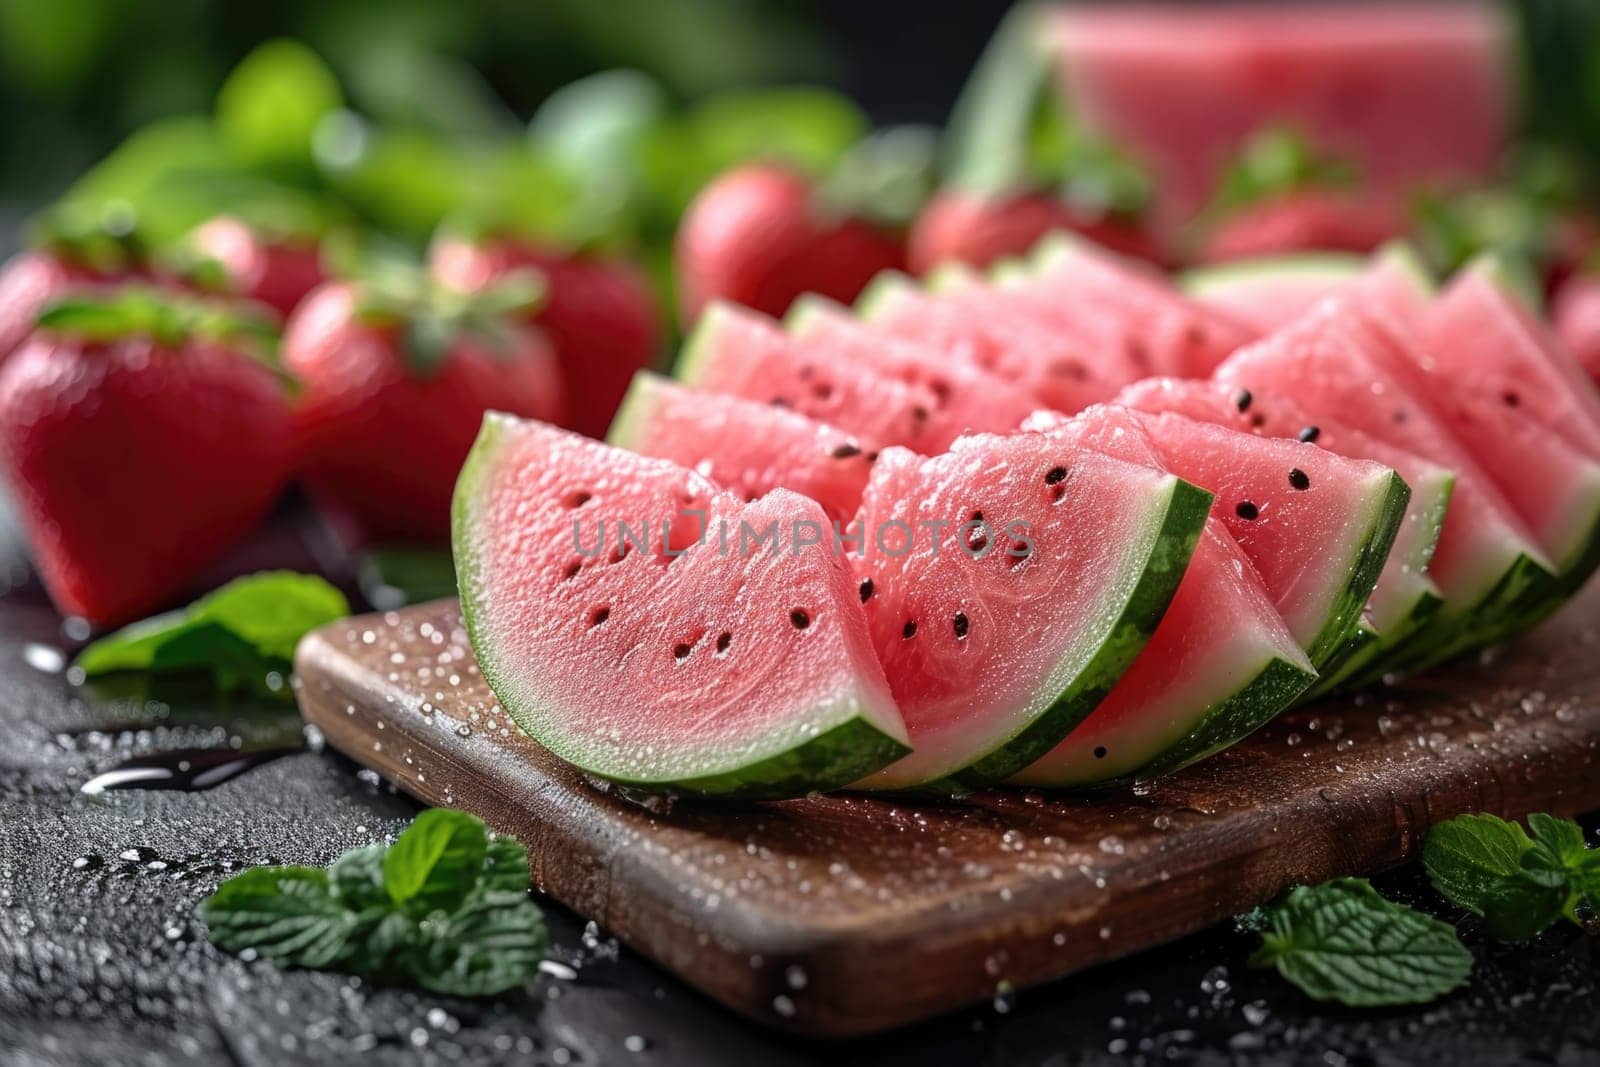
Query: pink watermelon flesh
point(715, 671)
point(1183, 85)
point(1184, 339)
point(1220, 664)
point(969, 396)
point(1404, 597)
point(743, 353)
point(1266, 294)
point(1054, 568)
point(1317, 526)
point(1486, 556)
point(1059, 370)
point(744, 447)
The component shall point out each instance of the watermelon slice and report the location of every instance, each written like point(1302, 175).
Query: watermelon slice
point(724, 672)
point(744, 353)
point(746, 448)
point(1279, 498)
point(1405, 597)
point(977, 400)
point(1486, 561)
point(1265, 294)
point(1002, 631)
point(1220, 664)
point(1062, 370)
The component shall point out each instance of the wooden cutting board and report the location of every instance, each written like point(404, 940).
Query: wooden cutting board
point(846, 914)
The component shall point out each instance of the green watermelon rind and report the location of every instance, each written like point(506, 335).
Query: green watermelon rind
point(698, 355)
point(837, 755)
point(1182, 522)
point(1332, 643)
point(1201, 282)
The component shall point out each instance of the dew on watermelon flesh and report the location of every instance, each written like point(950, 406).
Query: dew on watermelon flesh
point(714, 671)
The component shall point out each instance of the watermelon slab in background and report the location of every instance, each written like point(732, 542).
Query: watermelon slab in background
point(1053, 568)
point(744, 353)
point(1221, 663)
point(1265, 294)
point(1408, 91)
point(744, 447)
point(726, 673)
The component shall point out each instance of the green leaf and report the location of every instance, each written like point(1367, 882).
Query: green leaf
point(505, 866)
point(492, 944)
point(270, 105)
point(809, 128)
point(1557, 846)
point(357, 878)
point(437, 862)
point(886, 177)
point(597, 125)
point(1520, 906)
point(1466, 857)
point(394, 577)
point(287, 914)
point(1342, 941)
point(989, 144)
point(1278, 161)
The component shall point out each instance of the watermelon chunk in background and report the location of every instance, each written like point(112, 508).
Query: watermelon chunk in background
point(1060, 369)
point(718, 672)
point(1269, 293)
point(1487, 562)
point(972, 397)
point(1221, 663)
point(1279, 498)
point(1182, 86)
point(994, 659)
point(744, 353)
point(1405, 597)
point(744, 447)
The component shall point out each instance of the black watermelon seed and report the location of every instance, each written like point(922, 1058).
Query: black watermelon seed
point(779, 402)
point(1511, 399)
point(578, 499)
point(800, 619)
point(909, 630)
point(872, 457)
point(572, 571)
point(1310, 433)
point(866, 590)
point(600, 615)
point(845, 451)
point(681, 652)
point(1054, 475)
point(1299, 479)
point(960, 626)
point(1242, 400)
point(1246, 510)
point(977, 516)
point(919, 413)
point(1099, 752)
point(723, 641)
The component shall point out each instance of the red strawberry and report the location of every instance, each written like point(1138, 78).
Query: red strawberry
point(1304, 220)
point(71, 255)
point(972, 228)
point(760, 236)
point(599, 315)
point(396, 380)
point(142, 442)
point(277, 271)
point(1576, 314)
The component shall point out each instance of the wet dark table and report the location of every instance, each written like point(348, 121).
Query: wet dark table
point(102, 960)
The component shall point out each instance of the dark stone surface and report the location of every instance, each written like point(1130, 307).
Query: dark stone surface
point(101, 959)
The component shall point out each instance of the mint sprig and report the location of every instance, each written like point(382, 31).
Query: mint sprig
point(1342, 941)
point(1519, 882)
point(240, 634)
point(445, 907)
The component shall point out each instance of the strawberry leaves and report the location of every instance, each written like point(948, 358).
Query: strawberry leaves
point(432, 316)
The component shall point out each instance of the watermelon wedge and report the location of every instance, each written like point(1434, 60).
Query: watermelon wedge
point(1060, 369)
point(1220, 664)
point(744, 447)
point(724, 672)
point(744, 353)
point(1405, 597)
point(1264, 294)
point(1317, 526)
point(1487, 561)
point(1001, 630)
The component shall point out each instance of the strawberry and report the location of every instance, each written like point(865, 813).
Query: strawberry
point(1304, 220)
point(1576, 315)
point(229, 256)
point(397, 373)
point(977, 229)
point(143, 440)
point(760, 235)
point(69, 257)
point(598, 313)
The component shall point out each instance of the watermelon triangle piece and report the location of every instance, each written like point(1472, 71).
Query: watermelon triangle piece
point(744, 447)
point(1002, 632)
point(716, 671)
point(1220, 664)
point(1268, 293)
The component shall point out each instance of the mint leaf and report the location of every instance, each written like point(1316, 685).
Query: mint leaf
point(1557, 851)
point(437, 862)
point(357, 878)
point(492, 944)
point(1522, 906)
point(239, 634)
point(505, 866)
point(287, 914)
point(1468, 856)
point(1342, 941)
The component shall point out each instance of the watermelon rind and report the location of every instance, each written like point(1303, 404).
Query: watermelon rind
point(1340, 638)
point(1182, 519)
point(1330, 267)
point(845, 746)
point(1274, 688)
